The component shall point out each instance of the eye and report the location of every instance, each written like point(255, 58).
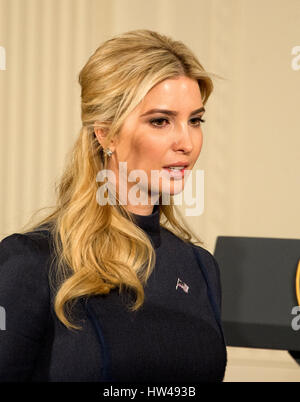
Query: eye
point(152, 121)
point(198, 120)
point(156, 122)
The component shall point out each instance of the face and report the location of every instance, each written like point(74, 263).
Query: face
point(151, 140)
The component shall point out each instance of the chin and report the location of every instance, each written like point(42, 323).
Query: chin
point(173, 188)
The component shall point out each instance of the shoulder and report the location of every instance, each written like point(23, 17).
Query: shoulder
point(206, 256)
point(25, 299)
point(33, 245)
point(210, 268)
point(24, 266)
point(207, 260)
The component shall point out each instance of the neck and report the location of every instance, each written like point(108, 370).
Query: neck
point(140, 209)
point(143, 209)
point(149, 223)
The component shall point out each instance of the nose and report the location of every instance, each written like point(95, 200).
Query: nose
point(183, 139)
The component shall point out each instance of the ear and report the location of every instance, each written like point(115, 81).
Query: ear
point(101, 137)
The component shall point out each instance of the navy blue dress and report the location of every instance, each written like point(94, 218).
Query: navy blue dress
point(176, 336)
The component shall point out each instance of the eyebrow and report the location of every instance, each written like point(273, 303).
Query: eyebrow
point(171, 112)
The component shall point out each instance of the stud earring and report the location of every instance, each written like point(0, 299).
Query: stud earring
point(108, 152)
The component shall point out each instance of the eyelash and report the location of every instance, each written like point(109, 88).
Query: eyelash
point(162, 118)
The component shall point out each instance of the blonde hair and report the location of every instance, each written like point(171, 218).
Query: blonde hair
point(99, 247)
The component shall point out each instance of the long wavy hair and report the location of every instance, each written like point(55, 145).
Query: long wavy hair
point(97, 247)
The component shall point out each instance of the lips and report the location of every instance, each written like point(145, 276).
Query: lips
point(175, 173)
point(179, 163)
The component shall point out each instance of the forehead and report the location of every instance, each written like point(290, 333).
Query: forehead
point(177, 91)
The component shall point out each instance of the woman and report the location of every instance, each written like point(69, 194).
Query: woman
point(101, 289)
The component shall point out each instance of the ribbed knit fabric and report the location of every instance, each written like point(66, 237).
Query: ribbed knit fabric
point(174, 337)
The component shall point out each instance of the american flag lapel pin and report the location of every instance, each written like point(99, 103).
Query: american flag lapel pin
point(182, 285)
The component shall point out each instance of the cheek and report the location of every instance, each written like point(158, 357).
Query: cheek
point(149, 152)
point(198, 144)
